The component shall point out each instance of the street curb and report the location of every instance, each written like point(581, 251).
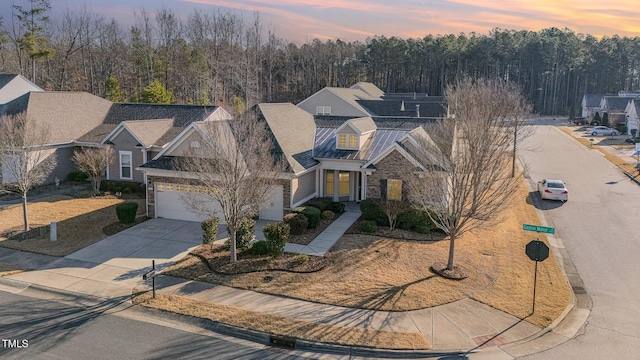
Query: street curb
point(560, 258)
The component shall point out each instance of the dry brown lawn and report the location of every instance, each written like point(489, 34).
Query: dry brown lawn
point(80, 222)
point(385, 274)
point(10, 269)
point(279, 325)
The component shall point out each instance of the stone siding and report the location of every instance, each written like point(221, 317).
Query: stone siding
point(393, 166)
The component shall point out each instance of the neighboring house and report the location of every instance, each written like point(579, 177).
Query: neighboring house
point(591, 105)
point(351, 162)
point(614, 104)
point(337, 101)
point(633, 117)
point(67, 116)
point(12, 86)
point(138, 132)
point(367, 100)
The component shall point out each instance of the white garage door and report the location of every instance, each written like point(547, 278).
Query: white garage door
point(170, 202)
point(272, 210)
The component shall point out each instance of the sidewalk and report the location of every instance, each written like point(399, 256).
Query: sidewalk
point(464, 327)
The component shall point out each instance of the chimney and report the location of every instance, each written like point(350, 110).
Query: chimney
point(417, 110)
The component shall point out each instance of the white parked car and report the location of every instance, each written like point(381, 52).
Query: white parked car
point(602, 130)
point(553, 190)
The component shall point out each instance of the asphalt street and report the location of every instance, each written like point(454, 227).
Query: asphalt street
point(599, 228)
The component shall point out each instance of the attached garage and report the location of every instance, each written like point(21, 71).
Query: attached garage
point(272, 210)
point(170, 202)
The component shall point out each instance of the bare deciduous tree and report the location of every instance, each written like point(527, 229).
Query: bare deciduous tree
point(24, 155)
point(236, 168)
point(469, 157)
point(94, 162)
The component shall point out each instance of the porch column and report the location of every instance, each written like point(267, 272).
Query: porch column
point(336, 185)
point(363, 185)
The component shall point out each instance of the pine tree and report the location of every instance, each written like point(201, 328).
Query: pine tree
point(156, 93)
point(112, 91)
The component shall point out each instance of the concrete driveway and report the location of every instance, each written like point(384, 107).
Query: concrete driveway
point(113, 266)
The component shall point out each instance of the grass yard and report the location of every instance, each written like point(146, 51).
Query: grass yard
point(373, 272)
point(80, 222)
point(280, 325)
point(9, 269)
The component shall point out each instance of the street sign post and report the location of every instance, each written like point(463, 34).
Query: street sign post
point(537, 251)
point(538, 228)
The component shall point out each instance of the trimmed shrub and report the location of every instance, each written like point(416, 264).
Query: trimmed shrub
point(116, 186)
point(336, 207)
point(320, 203)
point(423, 229)
point(77, 176)
point(328, 215)
point(209, 230)
point(126, 212)
point(300, 259)
point(259, 248)
point(413, 217)
point(244, 235)
point(312, 214)
point(298, 223)
point(277, 235)
point(369, 226)
point(372, 211)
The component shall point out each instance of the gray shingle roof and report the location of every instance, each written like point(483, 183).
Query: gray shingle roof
point(616, 103)
point(293, 129)
point(391, 122)
point(369, 88)
point(593, 100)
point(150, 131)
point(6, 78)
point(68, 115)
point(364, 124)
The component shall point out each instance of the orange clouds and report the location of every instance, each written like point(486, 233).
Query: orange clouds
point(300, 20)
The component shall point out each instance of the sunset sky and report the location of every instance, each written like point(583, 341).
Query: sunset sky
point(350, 20)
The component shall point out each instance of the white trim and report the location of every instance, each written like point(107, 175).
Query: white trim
point(307, 170)
point(130, 153)
point(144, 161)
point(115, 132)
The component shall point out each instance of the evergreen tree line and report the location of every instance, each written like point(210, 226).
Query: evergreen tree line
point(219, 57)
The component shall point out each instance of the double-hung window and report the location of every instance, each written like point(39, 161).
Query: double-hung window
point(125, 165)
point(323, 110)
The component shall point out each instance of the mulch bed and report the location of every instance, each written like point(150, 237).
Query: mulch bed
point(385, 232)
point(35, 231)
point(116, 227)
point(218, 262)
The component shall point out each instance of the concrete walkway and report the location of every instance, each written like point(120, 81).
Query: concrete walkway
point(323, 242)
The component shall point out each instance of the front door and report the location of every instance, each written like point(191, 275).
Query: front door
point(338, 188)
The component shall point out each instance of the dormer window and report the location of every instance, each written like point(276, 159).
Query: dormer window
point(353, 141)
point(342, 141)
point(347, 141)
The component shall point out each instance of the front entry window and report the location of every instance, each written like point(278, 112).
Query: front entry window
point(343, 189)
point(330, 189)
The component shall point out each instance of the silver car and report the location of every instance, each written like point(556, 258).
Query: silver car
point(602, 131)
